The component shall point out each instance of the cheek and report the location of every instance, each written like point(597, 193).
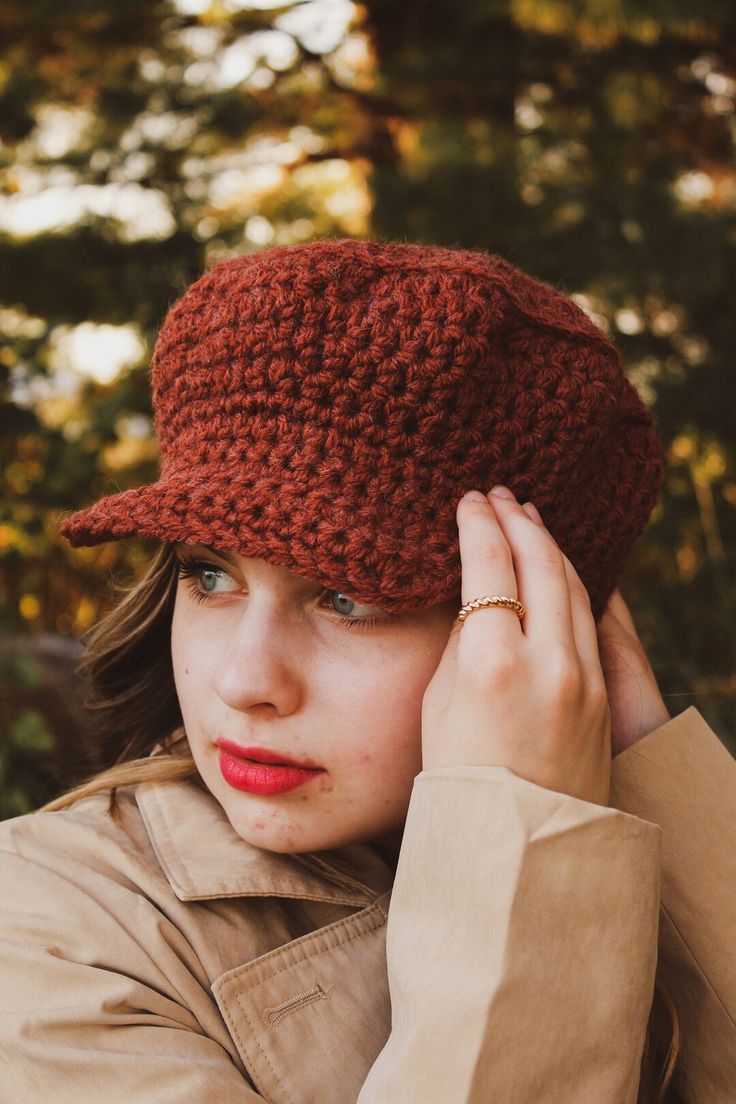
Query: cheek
point(182, 667)
point(190, 655)
point(386, 713)
point(401, 693)
point(180, 659)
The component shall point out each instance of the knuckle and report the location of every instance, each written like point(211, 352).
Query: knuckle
point(597, 691)
point(504, 666)
point(498, 670)
point(564, 671)
point(546, 553)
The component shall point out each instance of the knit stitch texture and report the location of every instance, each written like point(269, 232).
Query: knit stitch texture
point(324, 406)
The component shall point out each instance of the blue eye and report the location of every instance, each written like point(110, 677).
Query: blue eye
point(364, 622)
point(205, 580)
point(339, 597)
point(208, 578)
point(202, 578)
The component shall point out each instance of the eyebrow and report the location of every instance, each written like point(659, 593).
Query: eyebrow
point(193, 547)
point(229, 557)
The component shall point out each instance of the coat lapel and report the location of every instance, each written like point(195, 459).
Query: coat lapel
point(309, 1017)
point(203, 858)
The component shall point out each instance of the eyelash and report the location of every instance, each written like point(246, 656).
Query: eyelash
point(190, 569)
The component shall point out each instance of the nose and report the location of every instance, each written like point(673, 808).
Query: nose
point(259, 668)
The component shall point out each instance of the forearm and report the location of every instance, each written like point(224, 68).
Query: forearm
point(521, 946)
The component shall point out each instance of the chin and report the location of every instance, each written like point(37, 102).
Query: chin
point(275, 830)
point(286, 836)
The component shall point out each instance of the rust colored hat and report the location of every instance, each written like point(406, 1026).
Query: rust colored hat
point(324, 407)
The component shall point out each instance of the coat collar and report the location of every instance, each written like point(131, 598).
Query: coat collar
point(203, 857)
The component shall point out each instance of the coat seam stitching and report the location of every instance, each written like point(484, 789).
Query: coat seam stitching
point(242, 1045)
point(323, 950)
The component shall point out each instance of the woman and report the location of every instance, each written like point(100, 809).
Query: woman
point(344, 683)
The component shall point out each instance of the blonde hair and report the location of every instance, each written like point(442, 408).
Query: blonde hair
point(127, 667)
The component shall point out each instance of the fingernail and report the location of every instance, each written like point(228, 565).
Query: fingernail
point(475, 496)
point(533, 512)
point(501, 492)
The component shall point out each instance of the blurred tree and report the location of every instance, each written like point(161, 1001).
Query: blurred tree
point(137, 143)
point(591, 144)
point(44, 698)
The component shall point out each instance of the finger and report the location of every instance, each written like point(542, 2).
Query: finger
point(584, 626)
point(487, 567)
point(586, 641)
point(618, 607)
point(540, 573)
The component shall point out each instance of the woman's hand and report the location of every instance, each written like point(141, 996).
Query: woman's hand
point(637, 706)
point(528, 695)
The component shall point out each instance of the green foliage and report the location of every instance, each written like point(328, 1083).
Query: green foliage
point(26, 744)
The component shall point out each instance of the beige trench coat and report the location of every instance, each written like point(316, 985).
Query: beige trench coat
point(163, 960)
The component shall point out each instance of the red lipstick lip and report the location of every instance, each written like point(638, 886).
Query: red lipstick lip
point(258, 771)
point(265, 755)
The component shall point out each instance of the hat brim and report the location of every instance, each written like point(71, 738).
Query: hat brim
point(379, 565)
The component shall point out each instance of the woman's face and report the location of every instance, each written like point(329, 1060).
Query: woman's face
point(270, 663)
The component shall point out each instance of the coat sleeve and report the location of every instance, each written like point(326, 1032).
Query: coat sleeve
point(61, 992)
point(521, 946)
point(681, 777)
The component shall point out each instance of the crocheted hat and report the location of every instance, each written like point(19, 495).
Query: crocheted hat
point(325, 406)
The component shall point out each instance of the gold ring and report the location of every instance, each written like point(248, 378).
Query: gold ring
point(491, 600)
